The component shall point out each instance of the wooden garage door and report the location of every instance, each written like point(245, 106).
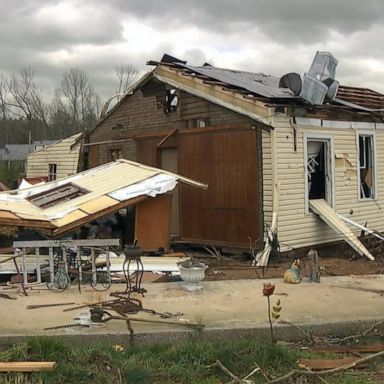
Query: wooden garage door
point(229, 211)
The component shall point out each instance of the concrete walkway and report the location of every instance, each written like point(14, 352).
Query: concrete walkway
point(221, 305)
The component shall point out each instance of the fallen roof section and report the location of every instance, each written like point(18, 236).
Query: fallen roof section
point(63, 205)
point(330, 217)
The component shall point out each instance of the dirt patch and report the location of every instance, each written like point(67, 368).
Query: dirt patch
point(337, 259)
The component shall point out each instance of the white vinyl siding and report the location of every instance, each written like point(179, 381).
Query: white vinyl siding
point(295, 227)
point(60, 153)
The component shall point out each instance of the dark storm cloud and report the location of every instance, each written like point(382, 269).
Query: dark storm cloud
point(271, 36)
point(293, 20)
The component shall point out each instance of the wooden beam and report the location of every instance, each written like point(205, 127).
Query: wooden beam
point(27, 223)
point(159, 144)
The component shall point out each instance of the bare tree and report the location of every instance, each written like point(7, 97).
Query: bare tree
point(3, 97)
point(126, 75)
point(79, 99)
point(20, 97)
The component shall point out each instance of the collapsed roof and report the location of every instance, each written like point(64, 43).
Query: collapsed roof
point(318, 87)
point(63, 205)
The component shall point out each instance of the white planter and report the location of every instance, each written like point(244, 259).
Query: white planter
point(192, 274)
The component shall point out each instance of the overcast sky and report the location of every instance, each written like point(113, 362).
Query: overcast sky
point(270, 36)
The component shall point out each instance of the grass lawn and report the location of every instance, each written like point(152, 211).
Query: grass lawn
point(181, 362)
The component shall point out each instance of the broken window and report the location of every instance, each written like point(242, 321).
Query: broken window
point(115, 153)
point(366, 167)
point(52, 172)
point(171, 101)
point(57, 195)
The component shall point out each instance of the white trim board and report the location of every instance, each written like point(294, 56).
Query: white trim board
point(319, 123)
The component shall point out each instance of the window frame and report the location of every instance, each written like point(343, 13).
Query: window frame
point(372, 134)
point(52, 176)
point(309, 136)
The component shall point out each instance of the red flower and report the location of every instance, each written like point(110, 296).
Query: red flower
point(268, 289)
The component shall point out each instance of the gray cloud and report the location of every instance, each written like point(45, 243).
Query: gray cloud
point(267, 36)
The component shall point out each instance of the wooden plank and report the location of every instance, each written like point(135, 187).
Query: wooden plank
point(322, 364)
point(369, 348)
point(27, 366)
point(98, 204)
point(8, 215)
point(66, 243)
point(153, 222)
point(70, 218)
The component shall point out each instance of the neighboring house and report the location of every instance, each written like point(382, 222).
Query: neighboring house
point(270, 149)
point(54, 161)
point(15, 152)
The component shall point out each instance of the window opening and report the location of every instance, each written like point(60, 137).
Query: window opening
point(52, 172)
point(366, 167)
point(57, 195)
point(171, 101)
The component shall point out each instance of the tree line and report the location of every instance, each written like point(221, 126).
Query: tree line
point(74, 107)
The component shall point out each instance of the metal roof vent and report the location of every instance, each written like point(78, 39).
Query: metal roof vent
point(320, 80)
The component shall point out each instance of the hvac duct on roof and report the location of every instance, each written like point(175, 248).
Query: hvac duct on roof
point(320, 80)
point(323, 66)
point(313, 90)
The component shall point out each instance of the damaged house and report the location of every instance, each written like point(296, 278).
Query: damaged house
point(300, 155)
point(54, 161)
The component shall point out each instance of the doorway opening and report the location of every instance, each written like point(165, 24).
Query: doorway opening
point(319, 180)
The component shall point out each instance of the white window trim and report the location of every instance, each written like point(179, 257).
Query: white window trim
point(375, 185)
point(318, 136)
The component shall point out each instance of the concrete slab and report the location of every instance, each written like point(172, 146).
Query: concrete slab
point(220, 305)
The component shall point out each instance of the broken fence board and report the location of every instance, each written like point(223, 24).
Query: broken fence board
point(27, 366)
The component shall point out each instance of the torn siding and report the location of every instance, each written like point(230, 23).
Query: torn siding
point(297, 228)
